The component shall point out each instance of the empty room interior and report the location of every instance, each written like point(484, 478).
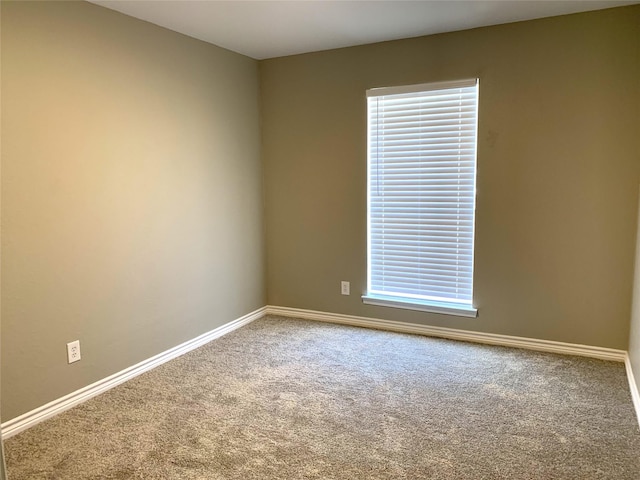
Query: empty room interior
point(203, 223)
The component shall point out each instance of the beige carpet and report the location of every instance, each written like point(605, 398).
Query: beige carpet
point(292, 399)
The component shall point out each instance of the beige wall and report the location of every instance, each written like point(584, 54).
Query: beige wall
point(634, 335)
point(2, 463)
point(131, 194)
point(558, 165)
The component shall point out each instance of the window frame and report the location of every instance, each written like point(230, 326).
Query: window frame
point(408, 301)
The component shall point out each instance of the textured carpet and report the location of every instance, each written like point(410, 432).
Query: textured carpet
point(292, 399)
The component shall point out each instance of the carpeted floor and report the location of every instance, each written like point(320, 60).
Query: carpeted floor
point(292, 399)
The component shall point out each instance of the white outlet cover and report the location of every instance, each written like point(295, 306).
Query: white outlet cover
point(73, 351)
point(345, 288)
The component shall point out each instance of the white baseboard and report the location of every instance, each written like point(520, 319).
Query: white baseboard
point(454, 334)
point(633, 386)
point(29, 419)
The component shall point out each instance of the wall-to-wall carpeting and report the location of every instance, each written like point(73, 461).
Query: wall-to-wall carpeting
point(291, 399)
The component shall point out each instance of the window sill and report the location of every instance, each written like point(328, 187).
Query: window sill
point(420, 305)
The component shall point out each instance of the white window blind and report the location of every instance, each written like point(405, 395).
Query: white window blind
point(421, 196)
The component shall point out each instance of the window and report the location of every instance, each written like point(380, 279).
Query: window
point(421, 196)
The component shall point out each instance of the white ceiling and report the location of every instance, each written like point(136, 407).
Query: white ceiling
point(267, 29)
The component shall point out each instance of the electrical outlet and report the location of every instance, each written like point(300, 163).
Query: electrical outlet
point(345, 288)
point(73, 351)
